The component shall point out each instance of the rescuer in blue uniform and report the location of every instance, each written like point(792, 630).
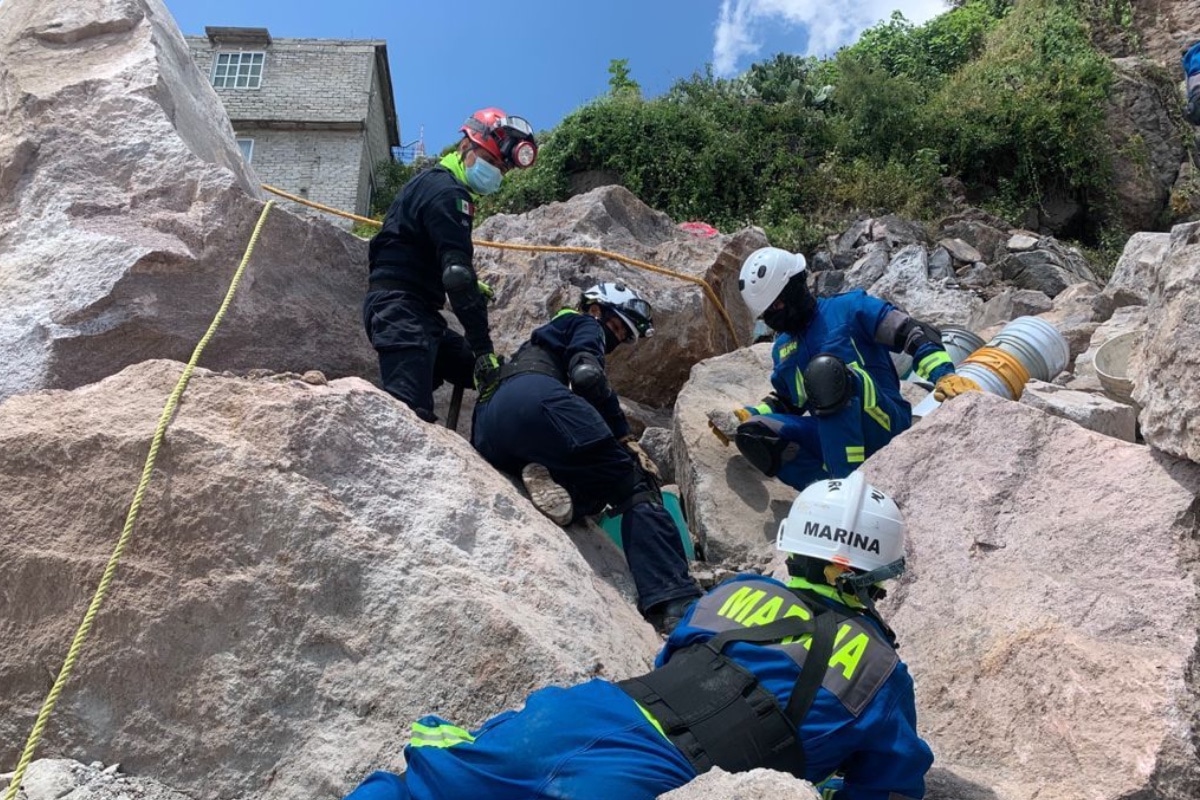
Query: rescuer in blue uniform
point(553, 418)
point(423, 254)
point(836, 396)
point(800, 677)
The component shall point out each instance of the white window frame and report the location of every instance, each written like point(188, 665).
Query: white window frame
point(238, 69)
point(246, 146)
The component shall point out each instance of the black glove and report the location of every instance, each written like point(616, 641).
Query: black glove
point(487, 374)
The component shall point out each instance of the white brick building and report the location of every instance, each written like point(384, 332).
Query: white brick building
point(313, 116)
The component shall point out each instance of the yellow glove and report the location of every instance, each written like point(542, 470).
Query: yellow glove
point(486, 290)
point(724, 424)
point(952, 386)
point(642, 457)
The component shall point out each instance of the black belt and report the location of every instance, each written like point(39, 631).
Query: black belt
point(536, 359)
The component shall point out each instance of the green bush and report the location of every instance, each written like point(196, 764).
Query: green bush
point(1006, 95)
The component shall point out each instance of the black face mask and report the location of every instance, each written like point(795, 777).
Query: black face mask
point(799, 307)
point(610, 340)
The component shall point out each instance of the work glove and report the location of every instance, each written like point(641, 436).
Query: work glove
point(724, 424)
point(952, 386)
point(642, 457)
point(487, 374)
point(486, 290)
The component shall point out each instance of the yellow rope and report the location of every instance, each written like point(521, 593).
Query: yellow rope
point(88, 618)
point(546, 248)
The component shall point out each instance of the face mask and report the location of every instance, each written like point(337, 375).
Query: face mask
point(799, 307)
point(483, 178)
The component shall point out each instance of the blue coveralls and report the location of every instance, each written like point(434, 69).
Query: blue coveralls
point(593, 742)
point(533, 418)
point(1191, 71)
point(427, 226)
point(812, 448)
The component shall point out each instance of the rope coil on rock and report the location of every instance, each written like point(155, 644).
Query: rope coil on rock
point(546, 248)
point(110, 569)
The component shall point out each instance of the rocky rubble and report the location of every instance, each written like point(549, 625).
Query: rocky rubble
point(314, 568)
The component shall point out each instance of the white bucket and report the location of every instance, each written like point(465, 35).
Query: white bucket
point(1112, 365)
point(989, 381)
point(1037, 344)
point(960, 343)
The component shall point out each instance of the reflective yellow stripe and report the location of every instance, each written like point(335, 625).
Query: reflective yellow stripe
point(439, 736)
point(763, 408)
point(931, 362)
point(855, 455)
point(869, 403)
point(650, 718)
point(801, 395)
point(565, 311)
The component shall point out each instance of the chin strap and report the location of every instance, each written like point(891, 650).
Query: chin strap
point(860, 586)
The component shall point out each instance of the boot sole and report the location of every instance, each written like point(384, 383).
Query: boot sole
point(547, 496)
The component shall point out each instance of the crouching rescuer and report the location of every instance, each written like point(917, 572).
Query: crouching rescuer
point(552, 417)
point(800, 677)
point(836, 397)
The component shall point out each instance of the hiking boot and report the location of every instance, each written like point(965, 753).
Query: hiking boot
point(547, 496)
point(666, 616)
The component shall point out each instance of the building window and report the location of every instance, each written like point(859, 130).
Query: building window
point(238, 70)
point(247, 148)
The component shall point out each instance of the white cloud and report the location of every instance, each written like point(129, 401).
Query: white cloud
point(830, 24)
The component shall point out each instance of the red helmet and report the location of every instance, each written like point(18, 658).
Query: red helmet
point(508, 139)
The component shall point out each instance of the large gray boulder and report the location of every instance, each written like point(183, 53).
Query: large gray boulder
point(731, 507)
point(125, 208)
point(906, 284)
point(1142, 123)
point(1167, 386)
point(313, 569)
point(1050, 614)
point(532, 286)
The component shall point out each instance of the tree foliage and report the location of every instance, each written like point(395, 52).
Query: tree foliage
point(1006, 95)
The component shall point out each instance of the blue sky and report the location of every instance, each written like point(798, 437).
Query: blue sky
point(542, 59)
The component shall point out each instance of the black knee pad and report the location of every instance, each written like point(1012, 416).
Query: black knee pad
point(828, 384)
point(758, 440)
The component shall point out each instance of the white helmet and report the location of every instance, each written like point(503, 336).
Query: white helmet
point(847, 522)
point(764, 274)
point(626, 304)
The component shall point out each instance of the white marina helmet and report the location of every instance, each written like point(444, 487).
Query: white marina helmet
point(844, 521)
point(764, 274)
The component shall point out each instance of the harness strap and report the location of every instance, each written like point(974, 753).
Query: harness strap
point(716, 711)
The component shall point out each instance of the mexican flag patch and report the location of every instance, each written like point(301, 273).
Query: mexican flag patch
point(466, 207)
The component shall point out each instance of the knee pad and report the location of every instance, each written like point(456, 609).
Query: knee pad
point(828, 384)
point(457, 278)
point(759, 441)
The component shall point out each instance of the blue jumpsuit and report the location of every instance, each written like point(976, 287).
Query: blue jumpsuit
point(812, 448)
point(1191, 70)
point(594, 742)
point(534, 418)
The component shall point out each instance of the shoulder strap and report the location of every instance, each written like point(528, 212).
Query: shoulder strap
point(822, 629)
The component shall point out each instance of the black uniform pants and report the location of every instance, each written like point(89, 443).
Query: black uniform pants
point(417, 350)
point(533, 418)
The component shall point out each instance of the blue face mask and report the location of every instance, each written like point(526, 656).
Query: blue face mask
point(483, 178)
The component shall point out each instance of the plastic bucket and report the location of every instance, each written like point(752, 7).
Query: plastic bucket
point(1112, 365)
point(612, 525)
point(1037, 344)
point(996, 371)
point(960, 343)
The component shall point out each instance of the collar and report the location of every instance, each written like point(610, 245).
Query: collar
point(826, 591)
point(454, 162)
